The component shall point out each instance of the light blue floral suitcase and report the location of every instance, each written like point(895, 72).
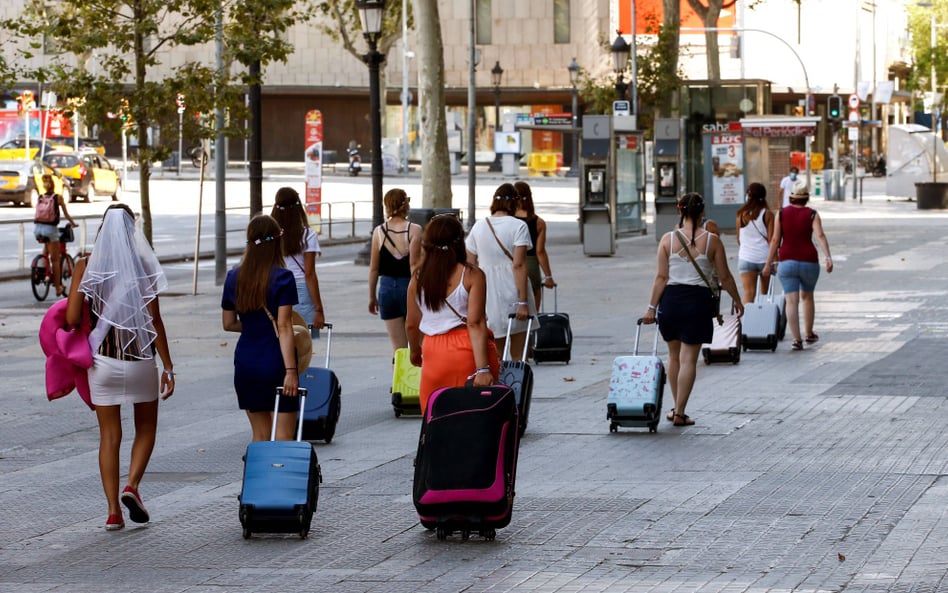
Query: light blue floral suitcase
point(636, 388)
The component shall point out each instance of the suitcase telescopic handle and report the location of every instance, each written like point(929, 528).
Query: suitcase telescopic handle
point(556, 304)
point(526, 342)
point(328, 328)
point(276, 411)
point(638, 332)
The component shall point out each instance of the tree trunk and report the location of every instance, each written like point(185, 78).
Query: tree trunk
point(435, 168)
point(709, 16)
point(671, 18)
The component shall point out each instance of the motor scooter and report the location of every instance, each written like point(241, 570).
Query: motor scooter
point(355, 160)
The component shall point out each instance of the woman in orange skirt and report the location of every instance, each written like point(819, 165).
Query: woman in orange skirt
point(446, 307)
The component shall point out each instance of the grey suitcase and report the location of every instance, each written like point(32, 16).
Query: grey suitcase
point(778, 299)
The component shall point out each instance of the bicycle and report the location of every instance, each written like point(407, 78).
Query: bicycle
point(41, 270)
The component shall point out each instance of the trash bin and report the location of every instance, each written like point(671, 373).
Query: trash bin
point(931, 195)
point(421, 216)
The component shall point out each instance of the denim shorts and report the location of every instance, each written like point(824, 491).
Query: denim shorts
point(798, 275)
point(748, 266)
point(46, 233)
point(393, 297)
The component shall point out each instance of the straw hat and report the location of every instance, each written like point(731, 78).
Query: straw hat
point(800, 189)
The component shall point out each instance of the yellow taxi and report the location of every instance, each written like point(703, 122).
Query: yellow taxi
point(88, 173)
point(16, 148)
point(21, 182)
point(69, 143)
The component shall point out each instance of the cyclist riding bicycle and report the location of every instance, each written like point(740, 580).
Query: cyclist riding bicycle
point(46, 226)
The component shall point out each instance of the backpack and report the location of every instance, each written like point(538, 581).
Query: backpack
point(46, 209)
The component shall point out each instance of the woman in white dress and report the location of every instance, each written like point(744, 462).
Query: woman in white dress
point(498, 245)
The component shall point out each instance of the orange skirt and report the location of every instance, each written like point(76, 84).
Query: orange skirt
point(447, 360)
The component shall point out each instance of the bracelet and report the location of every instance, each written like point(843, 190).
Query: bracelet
point(523, 303)
point(289, 368)
point(482, 371)
point(652, 308)
point(169, 373)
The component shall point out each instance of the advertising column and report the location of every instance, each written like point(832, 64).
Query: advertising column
point(724, 174)
point(313, 168)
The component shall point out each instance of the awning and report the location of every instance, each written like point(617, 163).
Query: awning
point(779, 127)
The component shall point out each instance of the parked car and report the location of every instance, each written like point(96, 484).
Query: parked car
point(69, 143)
point(16, 148)
point(88, 173)
point(22, 181)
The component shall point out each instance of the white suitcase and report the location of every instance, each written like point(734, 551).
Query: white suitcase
point(636, 388)
point(760, 326)
point(778, 299)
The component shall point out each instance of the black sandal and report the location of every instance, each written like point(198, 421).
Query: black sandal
point(685, 420)
point(797, 345)
point(670, 416)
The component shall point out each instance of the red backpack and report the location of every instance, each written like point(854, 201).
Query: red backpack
point(46, 209)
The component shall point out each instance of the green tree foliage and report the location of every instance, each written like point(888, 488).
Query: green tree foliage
point(920, 32)
point(659, 76)
point(110, 53)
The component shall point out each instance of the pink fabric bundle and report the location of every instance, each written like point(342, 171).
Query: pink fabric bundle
point(68, 353)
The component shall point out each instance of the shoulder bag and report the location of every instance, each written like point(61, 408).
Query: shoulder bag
point(715, 290)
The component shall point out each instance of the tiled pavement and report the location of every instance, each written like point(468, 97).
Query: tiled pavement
point(815, 471)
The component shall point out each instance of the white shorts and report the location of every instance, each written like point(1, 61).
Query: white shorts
point(114, 382)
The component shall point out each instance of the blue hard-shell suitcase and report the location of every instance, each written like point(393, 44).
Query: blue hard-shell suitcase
point(324, 403)
point(636, 388)
point(281, 483)
point(518, 375)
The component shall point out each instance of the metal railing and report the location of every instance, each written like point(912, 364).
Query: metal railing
point(334, 216)
point(328, 221)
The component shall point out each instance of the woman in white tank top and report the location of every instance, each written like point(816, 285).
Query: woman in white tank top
point(755, 227)
point(681, 299)
point(447, 320)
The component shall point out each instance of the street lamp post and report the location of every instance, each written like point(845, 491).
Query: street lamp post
point(573, 69)
point(370, 12)
point(496, 75)
point(620, 60)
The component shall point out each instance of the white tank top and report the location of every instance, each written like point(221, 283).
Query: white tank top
point(680, 268)
point(754, 246)
point(441, 322)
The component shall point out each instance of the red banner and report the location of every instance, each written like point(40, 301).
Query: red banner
point(313, 168)
point(648, 15)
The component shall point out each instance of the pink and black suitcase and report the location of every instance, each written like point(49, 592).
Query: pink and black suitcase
point(466, 463)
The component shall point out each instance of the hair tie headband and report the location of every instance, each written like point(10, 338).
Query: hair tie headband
point(266, 239)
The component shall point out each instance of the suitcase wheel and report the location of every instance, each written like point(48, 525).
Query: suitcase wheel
point(653, 427)
point(465, 534)
point(246, 533)
point(441, 533)
point(398, 413)
point(613, 427)
point(488, 534)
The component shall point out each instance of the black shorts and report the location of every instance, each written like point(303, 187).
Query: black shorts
point(684, 314)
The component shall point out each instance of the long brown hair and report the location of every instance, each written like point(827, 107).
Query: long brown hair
point(525, 197)
point(691, 206)
point(505, 199)
point(262, 253)
point(289, 213)
point(443, 244)
point(756, 201)
point(395, 202)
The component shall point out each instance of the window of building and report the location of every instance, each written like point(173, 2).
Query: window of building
point(560, 21)
point(483, 21)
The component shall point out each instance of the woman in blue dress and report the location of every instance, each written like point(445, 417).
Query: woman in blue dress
point(258, 300)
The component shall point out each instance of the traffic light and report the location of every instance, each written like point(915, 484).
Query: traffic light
point(834, 107)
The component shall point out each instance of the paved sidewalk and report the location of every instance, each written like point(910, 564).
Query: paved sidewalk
point(814, 471)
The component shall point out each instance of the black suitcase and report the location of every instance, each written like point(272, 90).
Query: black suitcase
point(281, 482)
point(518, 376)
point(325, 400)
point(553, 340)
point(466, 463)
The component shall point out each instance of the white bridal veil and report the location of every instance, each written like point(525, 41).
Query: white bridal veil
point(122, 276)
